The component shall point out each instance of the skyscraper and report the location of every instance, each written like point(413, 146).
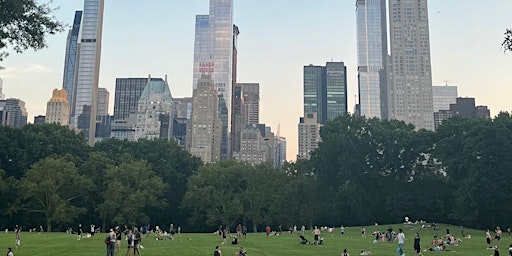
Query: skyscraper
point(103, 99)
point(204, 130)
point(127, 95)
point(213, 54)
point(371, 57)
point(71, 58)
point(89, 54)
point(251, 102)
point(2, 96)
point(57, 108)
point(325, 90)
point(13, 112)
point(309, 135)
point(443, 96)
point(410, 91)
point(155, 111)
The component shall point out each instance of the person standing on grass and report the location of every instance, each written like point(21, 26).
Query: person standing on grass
point(342, 230)
point(345, 253)
point(111, 242)
point(363, 232)
point(9, 252)
point(129, 239)
point(317, 233)
point(417, 247)
point(267, 229)
point(136, 241)
point(244, 231)
point(488, 238)
point(79, 232)
point(18, 237)
point(401, 242)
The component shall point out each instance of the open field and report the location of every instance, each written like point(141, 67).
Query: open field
point(56, 244)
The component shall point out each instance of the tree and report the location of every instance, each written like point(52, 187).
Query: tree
point(132, 190)
point(25, 24)
point(50, 187)
point(507, 42)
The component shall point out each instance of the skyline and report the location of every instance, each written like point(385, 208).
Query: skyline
point(274, 45)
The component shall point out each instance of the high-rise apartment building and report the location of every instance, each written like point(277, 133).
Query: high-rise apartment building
point(251, 102)
point(204, 130)
point(280, 152)
point(252, 147)
point(13, 112)
point(127, 95)
point(84, 109)
point(155, 111)
point(372, 52)
point(443, 96)
point(57, 108)
point(103, 101)
point(2, 96)
point(309, 135)
point(410, 88)
point(325, 90)
point(213, 55)
point(70, 64)
point(181, 118)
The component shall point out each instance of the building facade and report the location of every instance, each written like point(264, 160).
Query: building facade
point(213, 55)
point(410, 75)
point(87, 75)
point(70, 64)
point(155, 111)
point(103, 102)
point(309, 135)
point(127, 95)
point(443, 96)
point(2, 96)
point(252, 147)
point(57, 108)
point(325, 90)
point(181, 117)
point(371, 57)
point(13, 112)
point(204, 129)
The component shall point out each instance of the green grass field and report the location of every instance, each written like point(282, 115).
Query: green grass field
point(56, 244)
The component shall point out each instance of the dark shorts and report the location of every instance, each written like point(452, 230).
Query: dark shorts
point(488, 241)
point(497, 237)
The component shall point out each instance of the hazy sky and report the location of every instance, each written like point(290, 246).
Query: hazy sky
point(277, 38)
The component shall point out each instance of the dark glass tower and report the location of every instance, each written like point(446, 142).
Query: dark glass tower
point(70, 58)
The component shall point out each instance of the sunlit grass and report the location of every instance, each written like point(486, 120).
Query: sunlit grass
point(186, 244)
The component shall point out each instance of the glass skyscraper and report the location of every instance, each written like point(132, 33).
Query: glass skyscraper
point(410, 91)
point(71, 57)
point(371, 57)
point(213, 55)
point(89, 54)
point(325, 90)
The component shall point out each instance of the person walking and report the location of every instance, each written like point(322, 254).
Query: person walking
point(401, 242)
point(18, 237)
point(110, 240)
point(417, 247)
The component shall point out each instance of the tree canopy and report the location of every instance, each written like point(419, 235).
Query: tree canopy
point(25, 24)
point(507, 42)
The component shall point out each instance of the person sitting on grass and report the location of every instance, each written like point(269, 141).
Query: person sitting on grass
point(242, 252)
point(345, 253)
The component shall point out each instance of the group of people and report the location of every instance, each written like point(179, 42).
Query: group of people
point(133, 239)
point(240, 252)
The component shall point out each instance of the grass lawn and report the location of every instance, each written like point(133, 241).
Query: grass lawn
point(56, 244)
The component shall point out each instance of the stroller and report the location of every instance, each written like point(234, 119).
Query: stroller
point(303, 240)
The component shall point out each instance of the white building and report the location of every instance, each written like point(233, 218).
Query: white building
point(57, 108)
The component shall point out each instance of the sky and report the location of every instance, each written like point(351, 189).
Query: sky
point(277, 38)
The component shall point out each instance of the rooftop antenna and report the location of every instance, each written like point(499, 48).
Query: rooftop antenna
point(446, 82)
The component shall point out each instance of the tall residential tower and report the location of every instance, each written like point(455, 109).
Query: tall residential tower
point(83, 111)
point(371, 57)
point(410, 91)
point(70, 64)
point(213, 55)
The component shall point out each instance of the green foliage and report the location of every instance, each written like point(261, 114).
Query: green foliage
point(507, 42)
point(132, 188)
point(25, 24)
point(49, 187)
point(20, 148)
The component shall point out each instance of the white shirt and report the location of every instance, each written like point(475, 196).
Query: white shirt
point(401, 238)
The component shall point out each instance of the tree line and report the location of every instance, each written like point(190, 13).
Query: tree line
point(364, 171)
